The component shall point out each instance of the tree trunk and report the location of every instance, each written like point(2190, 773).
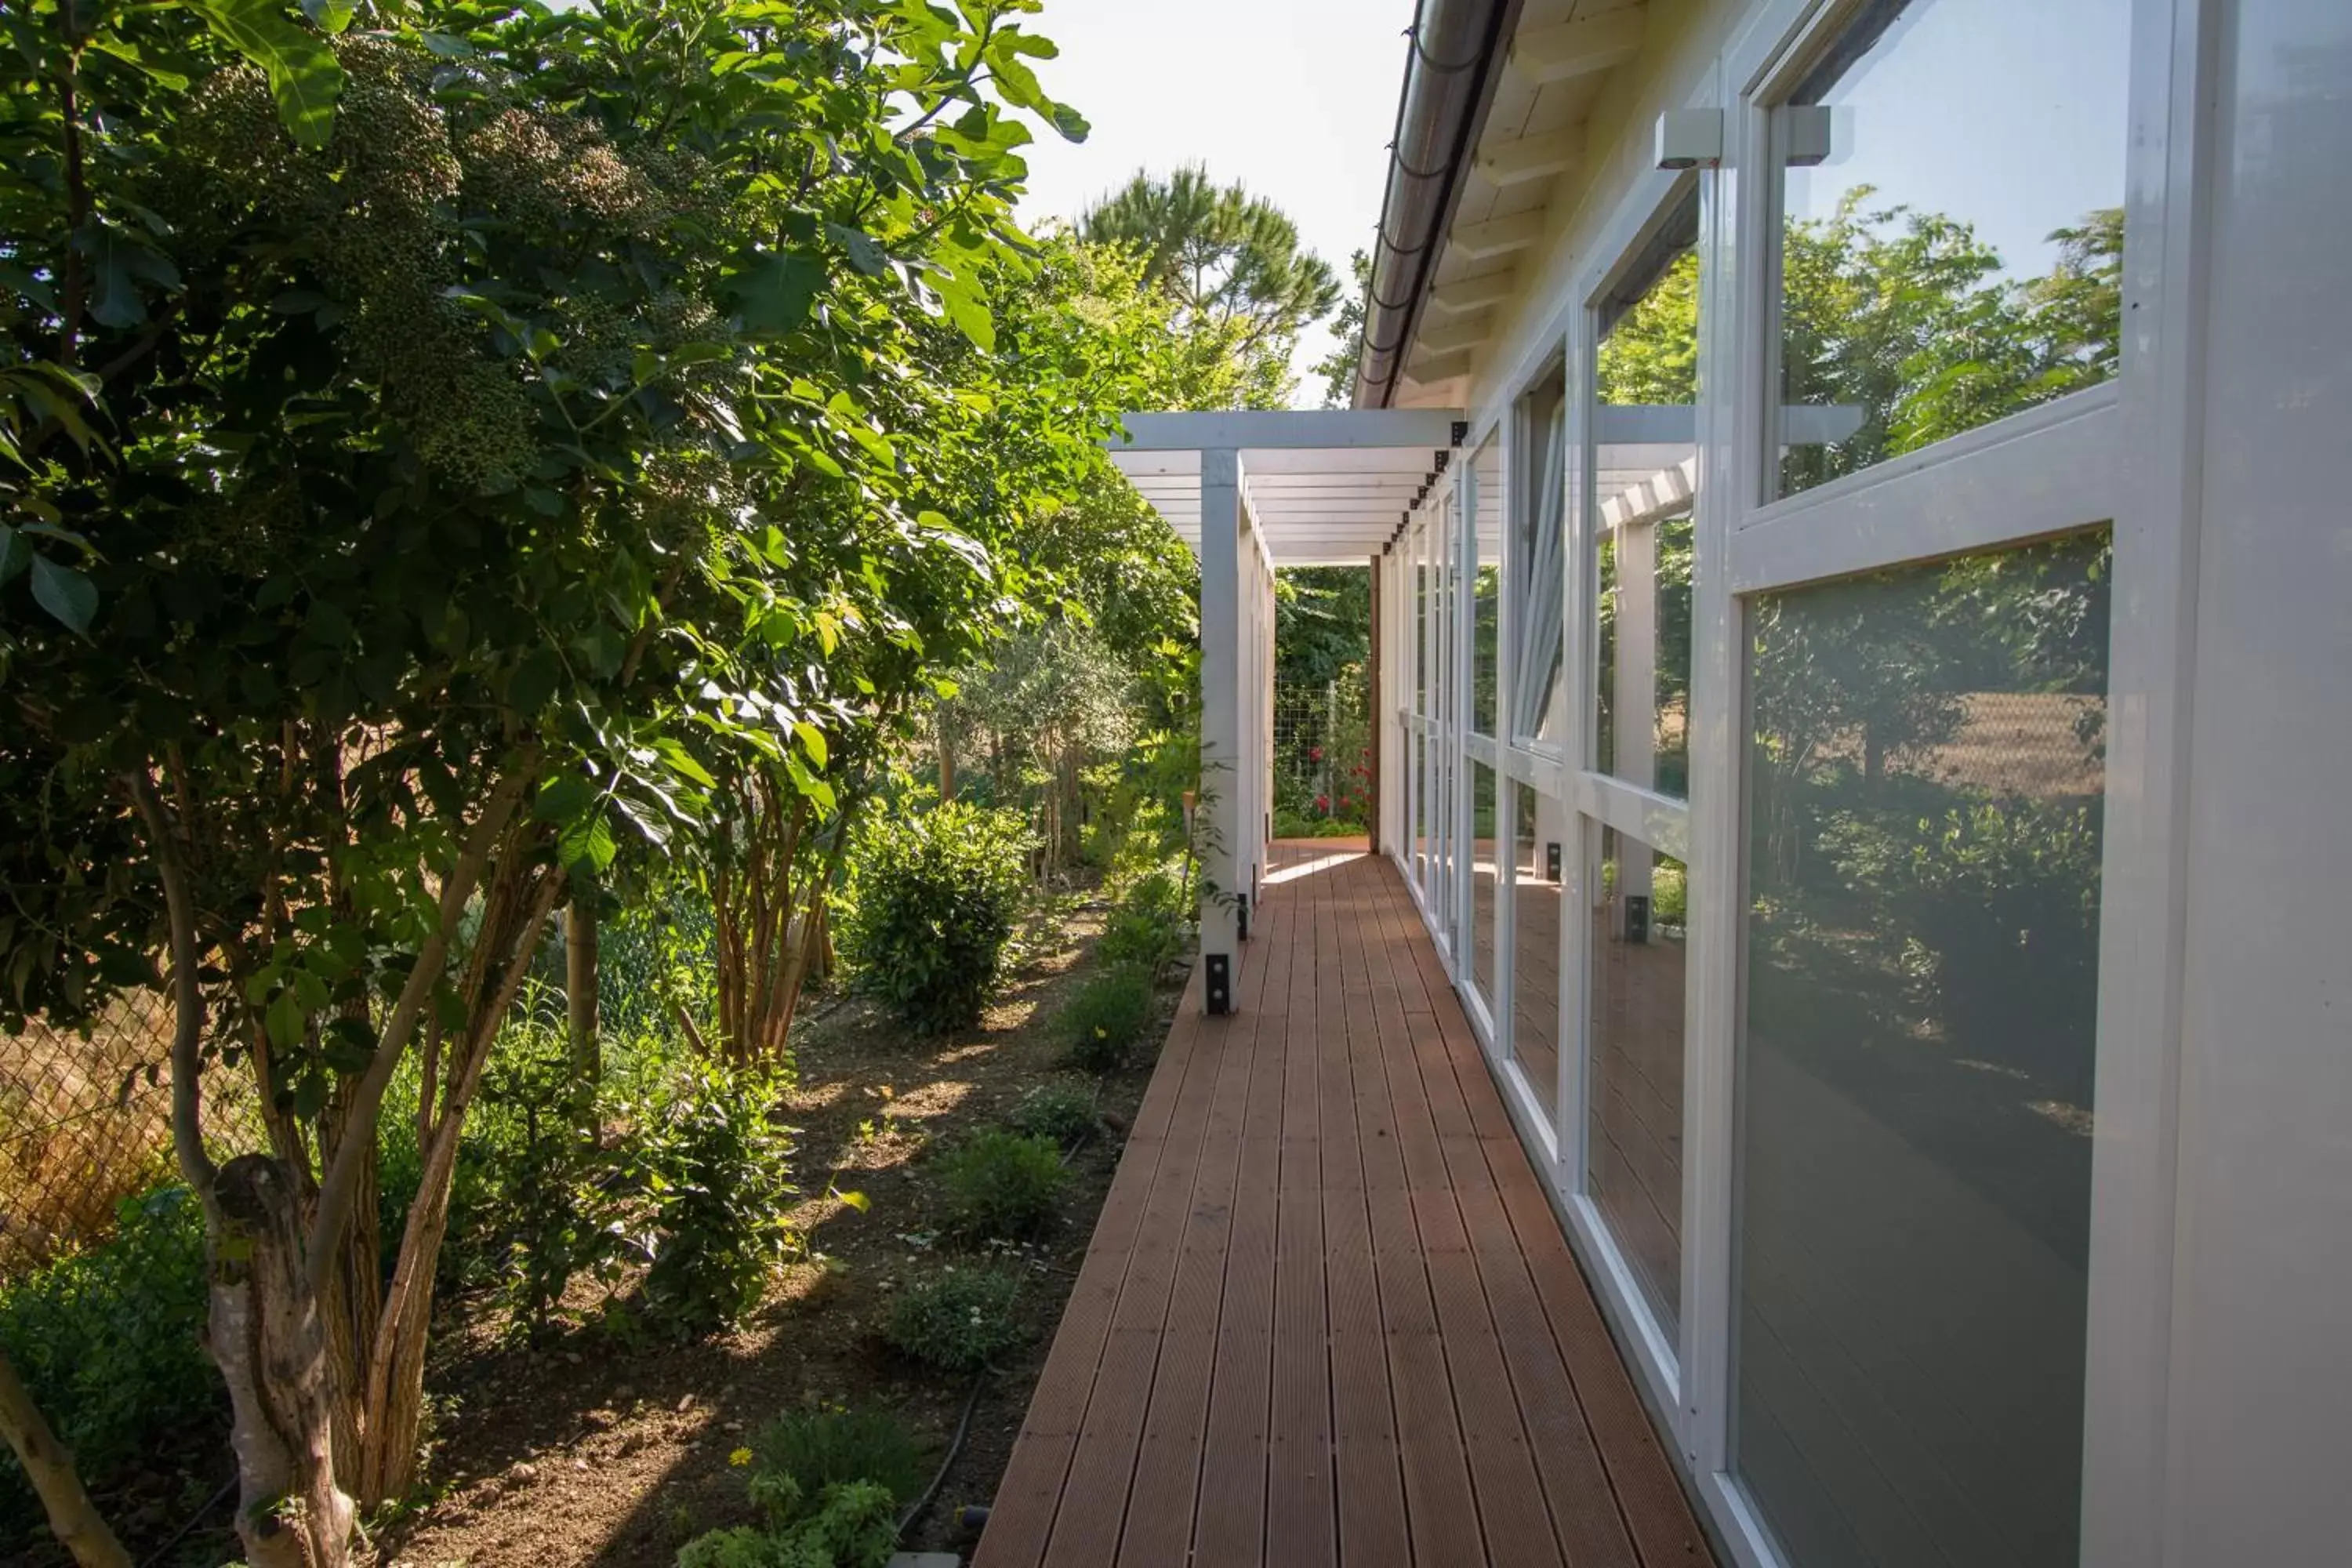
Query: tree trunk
point(50, 1468)
point(393, 1403)
point(947, 762)
point(580, 984)
point(265, 1335)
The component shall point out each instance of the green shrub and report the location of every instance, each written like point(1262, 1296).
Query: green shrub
point(1110, 1012)
point(855, 1524)
point(542, 1211)
point(959, 1319)
point(932, 897)
point(719, 1175)
point(801, 1452)
point(1001, 1185)
point(107, 1343)
point(1149, 926)
point(1060, 1111)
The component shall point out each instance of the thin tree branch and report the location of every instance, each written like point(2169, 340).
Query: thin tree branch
point(341, 1186)
point(50, 1467)
point(187, 996)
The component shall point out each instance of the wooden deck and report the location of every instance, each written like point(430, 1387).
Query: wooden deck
point(1327, 1315)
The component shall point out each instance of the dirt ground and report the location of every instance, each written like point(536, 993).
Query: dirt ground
point(588, 1452)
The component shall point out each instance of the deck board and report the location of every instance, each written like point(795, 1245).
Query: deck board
point(1327, 1315)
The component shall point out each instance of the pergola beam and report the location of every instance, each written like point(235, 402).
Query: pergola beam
point(1261, 430)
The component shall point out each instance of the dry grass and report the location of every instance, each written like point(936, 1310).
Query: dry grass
point(85, 1122)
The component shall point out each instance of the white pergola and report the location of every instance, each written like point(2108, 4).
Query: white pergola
point(1252, 492)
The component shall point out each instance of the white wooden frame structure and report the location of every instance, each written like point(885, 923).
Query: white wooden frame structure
point(1252, 492)
point(2215, 1374)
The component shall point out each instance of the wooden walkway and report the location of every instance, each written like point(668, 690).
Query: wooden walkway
point(1327, 1316)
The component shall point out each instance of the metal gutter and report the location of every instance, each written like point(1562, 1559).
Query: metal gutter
point(1449, 83)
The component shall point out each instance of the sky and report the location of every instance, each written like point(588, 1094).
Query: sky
point(1294, 99)
point(2048, 146)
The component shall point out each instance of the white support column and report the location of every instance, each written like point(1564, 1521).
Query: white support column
point(1224, 776)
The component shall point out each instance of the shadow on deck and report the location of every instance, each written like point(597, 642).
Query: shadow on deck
point(1327, 1315)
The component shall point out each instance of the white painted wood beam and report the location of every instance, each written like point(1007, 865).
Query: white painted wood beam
point(1537, 157)
point(1426, 367)
point(1223, 780)
point(1497, 237)
point(1565, 50)
point(1445, 337)
point(1260, 430)
point(1468, 294)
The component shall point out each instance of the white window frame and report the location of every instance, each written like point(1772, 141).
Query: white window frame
point(2124, 454)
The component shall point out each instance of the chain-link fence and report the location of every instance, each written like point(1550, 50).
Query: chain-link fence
point(85, 1122)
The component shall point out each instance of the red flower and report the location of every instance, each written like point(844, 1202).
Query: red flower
point(1313, 753)
point(1323, 803)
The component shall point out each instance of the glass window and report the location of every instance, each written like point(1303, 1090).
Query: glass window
point(1536, 826)
point(1633, 1098)
point(1486, 877)
point(1418, 545)
point(1915, 1087)
point(1486, 585)
point(1645, 480)
point(1952, 241)
point(1539, 712)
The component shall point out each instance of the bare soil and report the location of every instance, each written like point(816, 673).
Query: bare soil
point(590, 1451)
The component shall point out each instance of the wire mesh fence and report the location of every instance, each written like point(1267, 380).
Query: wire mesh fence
point(1322, 756)
point(85, 1122)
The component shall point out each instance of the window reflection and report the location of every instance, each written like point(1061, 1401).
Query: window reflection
point(1536, 828)
point(1538, 706)
point(1645, 484)
point(1952, 239)
point(1926, 770)
point(1486, 587)
point(1486, 877)
point(1633, 1138)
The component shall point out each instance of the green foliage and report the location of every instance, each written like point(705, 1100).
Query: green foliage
point(1985, 892)
point(1002, 1185)
point(1339, 367)
point(552, 1213)
point(1060, 1113)
point(1107, 1015)
point(959, 1320)
point(1146, 930)
point(933, 893)
point(800, 1454)
point(717, 1167)
point(1224, 256)
point(109, 1342)
point(853, 1524)
point(1903, 314)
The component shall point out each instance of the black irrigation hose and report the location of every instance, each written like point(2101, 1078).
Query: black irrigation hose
point(181, 1534)
point(955, 1447)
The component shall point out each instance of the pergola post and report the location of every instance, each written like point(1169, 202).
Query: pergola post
point(1225, 773)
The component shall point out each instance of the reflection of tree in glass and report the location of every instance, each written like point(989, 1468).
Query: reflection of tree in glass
point(1904, 316)
point(1651, 354)
point(1928, 754)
